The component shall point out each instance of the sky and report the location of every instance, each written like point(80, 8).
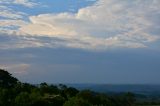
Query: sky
point(81, 41)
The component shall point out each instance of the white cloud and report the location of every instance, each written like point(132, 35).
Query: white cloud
point(21, 42)
point(10, 20)
point(9, 13)
point(26, 3)
point(12, 23)
point(106, 24)
point(20, 69)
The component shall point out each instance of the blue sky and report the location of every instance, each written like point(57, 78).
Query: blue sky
point(81, 41)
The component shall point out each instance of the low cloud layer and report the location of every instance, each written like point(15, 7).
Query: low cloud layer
point(103, 25)
point(18, 69)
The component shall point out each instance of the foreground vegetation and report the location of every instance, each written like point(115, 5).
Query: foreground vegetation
point(15, 93)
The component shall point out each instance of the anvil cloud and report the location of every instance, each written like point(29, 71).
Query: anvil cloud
point(105, 24)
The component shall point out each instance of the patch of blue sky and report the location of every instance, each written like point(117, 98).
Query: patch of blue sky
point(53, 6)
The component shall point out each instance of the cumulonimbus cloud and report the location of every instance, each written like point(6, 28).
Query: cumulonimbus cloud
point(105, 24)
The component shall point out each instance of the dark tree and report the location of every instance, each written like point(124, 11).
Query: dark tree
point(75, 101)
point(70, 92)
point(6, 79)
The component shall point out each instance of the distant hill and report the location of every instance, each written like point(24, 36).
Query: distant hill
point(105, 88)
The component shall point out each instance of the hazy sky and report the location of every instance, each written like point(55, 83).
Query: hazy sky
point(81, 41)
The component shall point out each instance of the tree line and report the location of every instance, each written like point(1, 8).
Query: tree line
point(16, 93)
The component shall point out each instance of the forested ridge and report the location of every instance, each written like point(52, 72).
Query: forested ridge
point(16, 93)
